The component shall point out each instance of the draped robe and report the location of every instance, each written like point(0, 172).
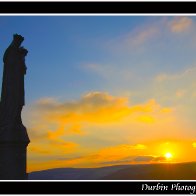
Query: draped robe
point(12, 94)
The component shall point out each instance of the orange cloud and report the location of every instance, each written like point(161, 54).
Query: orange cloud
point(140, 36)
point(54, 120)
point(90, 105)
point(52, 147)
point(194, 144)
point(180, 24)
point(38, 150)
point(121, 151)
point(71, 128)
point(58, 118)
point(146, 119)
point(114, 155)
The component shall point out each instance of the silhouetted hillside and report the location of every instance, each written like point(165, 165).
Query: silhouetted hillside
point(75, 173)
point(180, 171)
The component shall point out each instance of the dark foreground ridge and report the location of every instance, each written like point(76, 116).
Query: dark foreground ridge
point(177, 171)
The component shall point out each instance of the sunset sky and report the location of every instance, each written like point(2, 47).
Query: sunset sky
point(107, 90)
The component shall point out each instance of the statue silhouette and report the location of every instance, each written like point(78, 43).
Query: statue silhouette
point(12, 95)
point(13, 134)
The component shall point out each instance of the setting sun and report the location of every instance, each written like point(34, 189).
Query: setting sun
point(168, 155)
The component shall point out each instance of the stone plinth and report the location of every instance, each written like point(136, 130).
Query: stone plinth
point(13, 143)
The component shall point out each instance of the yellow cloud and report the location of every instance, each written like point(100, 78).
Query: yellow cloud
point(180, 24)
point(61, 129)
point(194, 144)
point(56, 134)
point(95, 107)
point(116, 154)
point(153, 151)
point(38, 150)
point(52, 147)
point(166, 110)
point(53, 120)
point(146, 119)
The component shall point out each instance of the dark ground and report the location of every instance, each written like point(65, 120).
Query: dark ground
point(178, 171)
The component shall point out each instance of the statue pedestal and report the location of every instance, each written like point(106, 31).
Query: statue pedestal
point(13, 143)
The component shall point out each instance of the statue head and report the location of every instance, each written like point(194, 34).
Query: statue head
point(18, 39)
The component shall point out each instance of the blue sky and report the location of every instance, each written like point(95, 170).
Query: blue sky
point(59, 48)
point(101, 84)
point(59, 45)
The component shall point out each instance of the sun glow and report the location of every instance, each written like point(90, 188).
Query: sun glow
point(168, 155)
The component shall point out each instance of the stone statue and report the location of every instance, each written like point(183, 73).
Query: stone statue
point(12, 95)
point(13, 134)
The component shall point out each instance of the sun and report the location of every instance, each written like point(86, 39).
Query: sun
point(168, 155)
